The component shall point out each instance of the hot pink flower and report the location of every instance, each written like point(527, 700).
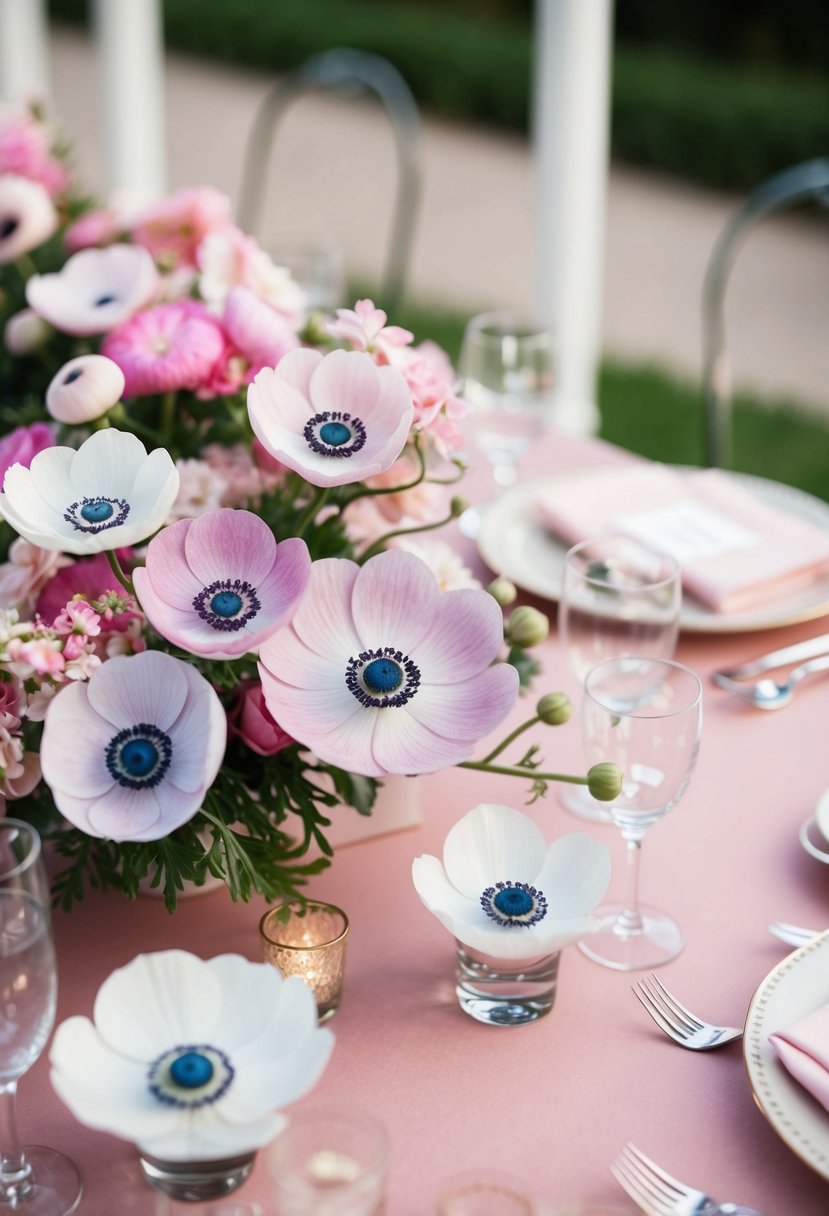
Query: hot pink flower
point(381, 672)
point(91, 578)
point(251, 720)
point(163, 349)
point(173, 228)
point(22, 444)
point(78, 619)
point(25, 150)
point(220, 584)
point(364, 328)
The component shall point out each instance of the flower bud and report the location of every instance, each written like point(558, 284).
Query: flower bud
point(25, 332)
point(84, 389)
point(554, 708)
point(605, 781)
point(526, 627)
point(503, 591)
point(457, 506)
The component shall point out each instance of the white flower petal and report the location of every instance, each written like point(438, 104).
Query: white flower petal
point(148, 687)
point(107, 463)
point(574, 876)
point(205, 1135)
point(492, 844)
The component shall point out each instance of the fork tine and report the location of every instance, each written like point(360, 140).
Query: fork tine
point(671, 1186)
point(630, 1183)
point(668, 1009)
point(678, 1033)
point(676, 1005)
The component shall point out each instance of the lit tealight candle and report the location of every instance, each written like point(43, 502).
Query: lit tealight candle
point(308, 940)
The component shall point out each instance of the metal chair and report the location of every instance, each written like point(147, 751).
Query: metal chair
point(807, 182)
point(348, 72)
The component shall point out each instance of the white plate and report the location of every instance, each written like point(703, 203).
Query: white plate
point(514, 541)
point(797, 986)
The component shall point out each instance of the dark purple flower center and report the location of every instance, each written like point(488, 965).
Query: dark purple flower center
point(334, 433)
point(514, 903)
point(96, 514)
point(8, 225)
point(190, 1076)
point(382, 679)
point(227, 605)
point(72, 376)
point(105, 299)
point(138, 756)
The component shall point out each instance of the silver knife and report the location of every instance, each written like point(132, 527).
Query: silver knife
point(796, 653)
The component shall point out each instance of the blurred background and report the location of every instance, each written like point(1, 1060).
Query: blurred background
point(706, 101)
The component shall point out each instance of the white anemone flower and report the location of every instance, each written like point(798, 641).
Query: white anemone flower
point(503, 891)
point(108, 494)
point(191, 1059)
point(96, 290)
point(27, 216)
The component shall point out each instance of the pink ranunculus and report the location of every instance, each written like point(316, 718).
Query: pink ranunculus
point(96, 290)
point(22, 444)
point(250, 719)
point(259, 332)
point(25, 150)
point(90, 578)
point(364, 327)
point(230, 258)
point(166, 348)
point(381, 672)
point(93, 229)
point(173, 228)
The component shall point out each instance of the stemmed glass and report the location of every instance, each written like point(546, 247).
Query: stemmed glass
point(618, 598)
point(646, 716)
point(34, 1180)
point(506, 365)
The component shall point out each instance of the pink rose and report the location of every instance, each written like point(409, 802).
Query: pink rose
point(251, 721)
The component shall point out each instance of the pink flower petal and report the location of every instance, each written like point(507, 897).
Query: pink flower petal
point(281, 590)
point(291, 661)
point(346, 381)
point(308, 713)
point(229, 544)
point(198, 738)
point(349, 745)
point(167, 575)
point(148, 687)
point(323, 620)
point(401, 744)
point(394, 600)
point(127, 814)
point(465, 634)
point(468, 710)
point(76, 760)
point(296, 369)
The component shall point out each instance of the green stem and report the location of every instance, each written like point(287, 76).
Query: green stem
point(530, 773)
point(370, 492)
point(312, 510)
point(119, 572)
point(449, 481)
point(496, 751)
point(25, 267)
point(168, 417)
point(382, 540)
point(125, 423)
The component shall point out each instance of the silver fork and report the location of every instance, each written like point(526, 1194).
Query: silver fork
point(792, 935)
point(658, 1194)
point(677, 1021)
point(769, 693)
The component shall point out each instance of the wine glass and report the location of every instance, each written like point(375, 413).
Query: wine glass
point(506, 365)
point(34, 1180)
point(618, 598)
point(646, 716)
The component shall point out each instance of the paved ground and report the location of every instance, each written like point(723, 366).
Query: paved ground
point(332, 171)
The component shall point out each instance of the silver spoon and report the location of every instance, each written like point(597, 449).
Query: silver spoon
point(768, 693)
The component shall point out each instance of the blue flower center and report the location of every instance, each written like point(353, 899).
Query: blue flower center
point(96, 510)
point(190, 1076)
point(382, 675)
point(227, 605)
point(105, 299)
point(138, 756)
point(382, 679)
point(334, 433)
point(514, 903)
point(72, 376)
point(8, 225)
point(96, 514)
point(192, 1070)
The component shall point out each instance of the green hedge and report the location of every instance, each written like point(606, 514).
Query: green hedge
point(723, 126)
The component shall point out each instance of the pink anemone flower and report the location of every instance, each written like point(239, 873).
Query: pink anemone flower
point(96, 290)
point(219, 585)
point(166, 348)
point(380, 672)
point(130, 754)
point(335, 418)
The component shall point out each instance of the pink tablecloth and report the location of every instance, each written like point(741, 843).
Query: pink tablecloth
point(555, 1101)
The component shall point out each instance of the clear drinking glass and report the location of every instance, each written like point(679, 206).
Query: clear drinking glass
point(317, 264)
point(485, 1192)
point(646, 716)
point(618, 598)
point(506, 364)
point(34, 1180)
point(330, 1161)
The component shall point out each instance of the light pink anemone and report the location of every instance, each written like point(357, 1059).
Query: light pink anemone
point(335, 418)
point(173, 228)
point(220, 584)
point(166, 348)
point(84, 389)
point(130, 754)
point(379, 672)
point(27, 216)
point(97, 289)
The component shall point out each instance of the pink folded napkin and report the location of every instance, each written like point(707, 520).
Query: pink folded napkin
point(735, 551)
point(803, 1048)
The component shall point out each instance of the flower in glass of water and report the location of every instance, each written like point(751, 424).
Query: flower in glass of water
point(108, 493)
point(382, 672)
point(334, 419)
point(191, 1059)
point(96, 289)
point(219, 585)
point(130, 754)
point(502, 890)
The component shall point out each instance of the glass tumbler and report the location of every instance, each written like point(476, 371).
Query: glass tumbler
point(330, 1161)
point(308, 939)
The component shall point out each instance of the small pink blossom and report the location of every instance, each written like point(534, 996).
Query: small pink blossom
point(10, 701)
point(83, 661)
point(166, 348)
point(90, 578)
point(437, 410)
point(39, 656)
point(230, 259)
point(364, 328)
point(25, 149)
point(173, 228)
point(244, 480)
point(250, 719)
point(28, 570)
point(19, 770)
point(78, 619)
point(22, 444)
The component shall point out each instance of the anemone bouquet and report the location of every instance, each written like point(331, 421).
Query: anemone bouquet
point(215, 625)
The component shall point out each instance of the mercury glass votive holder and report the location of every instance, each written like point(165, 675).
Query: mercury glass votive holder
point(505, 992)
point(308, 939)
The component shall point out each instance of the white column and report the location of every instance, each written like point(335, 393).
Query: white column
point(24, 62)
point(130, 47)
point(571, 122)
